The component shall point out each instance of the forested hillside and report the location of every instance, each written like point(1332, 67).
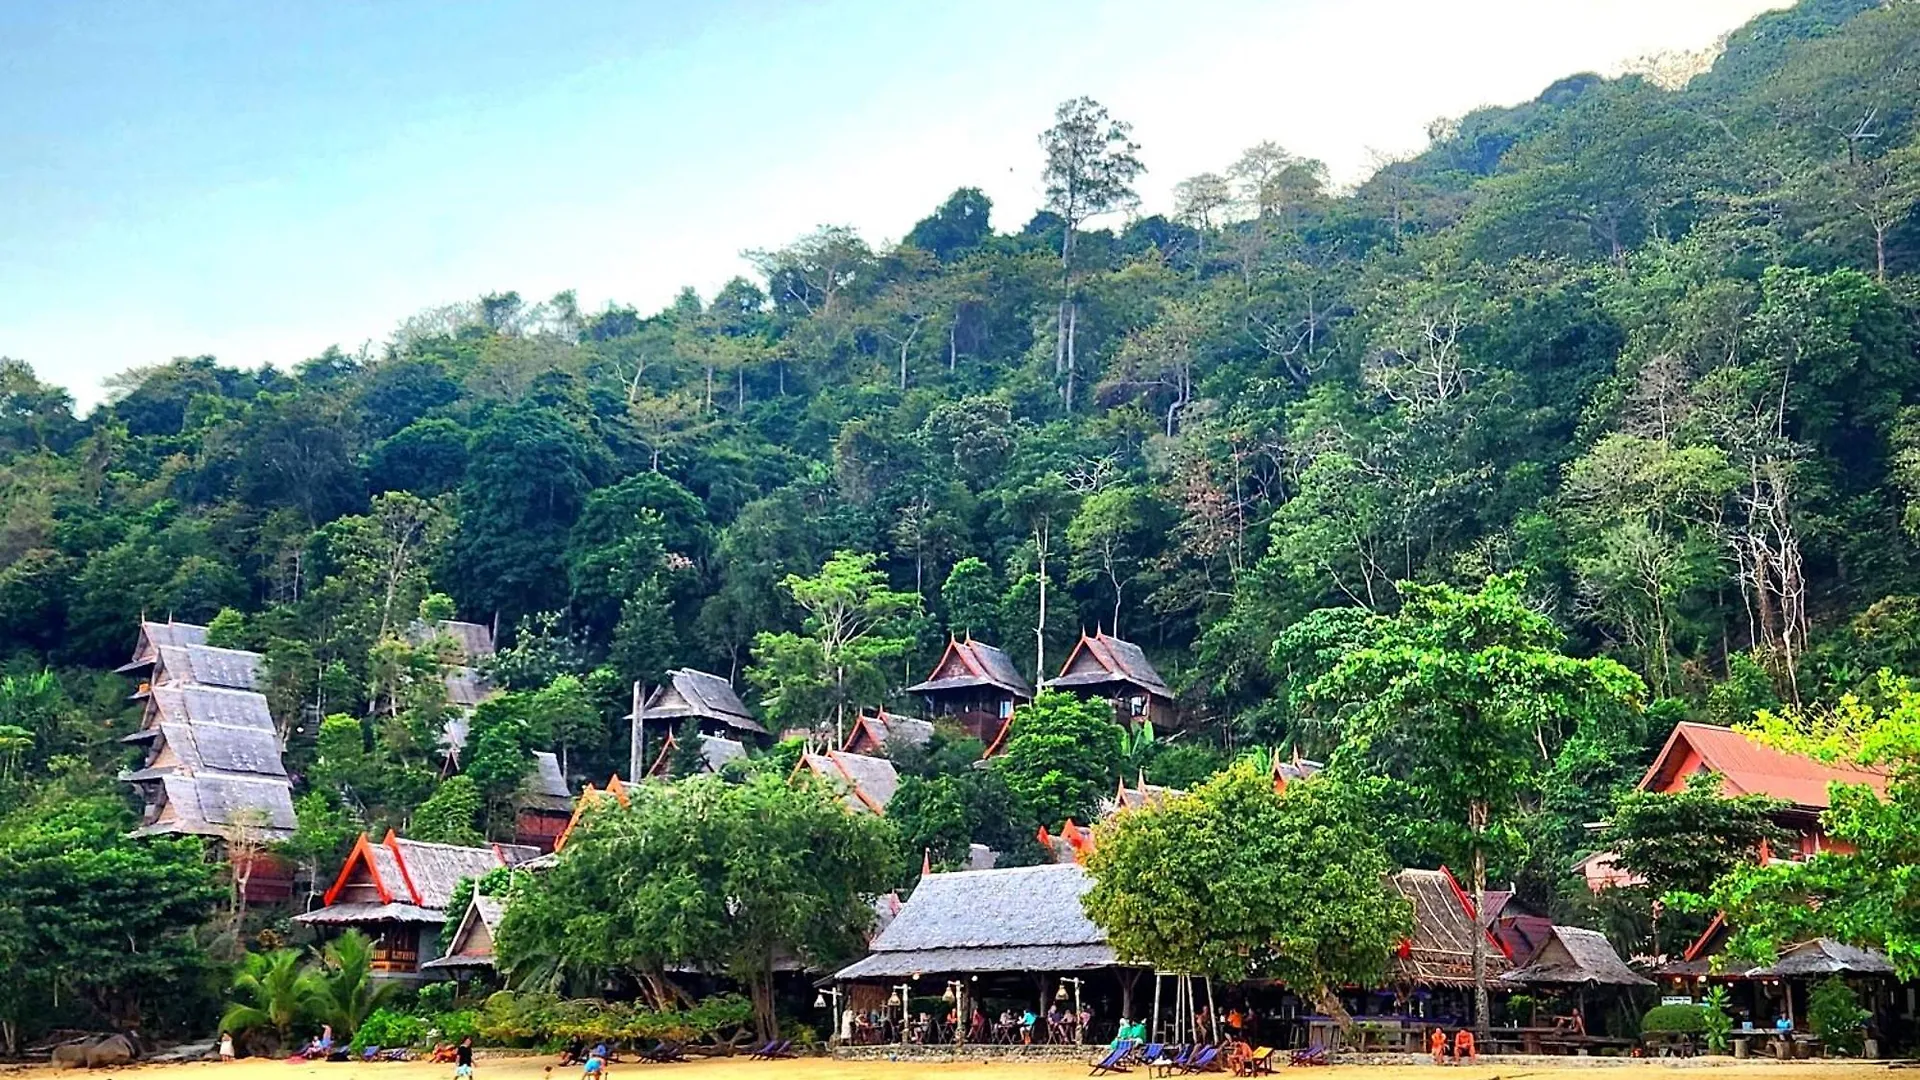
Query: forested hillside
point(1650, 350)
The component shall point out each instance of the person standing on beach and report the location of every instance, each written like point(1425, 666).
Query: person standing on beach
point(226, 1046)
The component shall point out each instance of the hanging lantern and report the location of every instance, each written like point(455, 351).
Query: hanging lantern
point(820, 1001)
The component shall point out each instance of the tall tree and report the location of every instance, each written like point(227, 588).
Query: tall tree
point(856, 629)
point(1091, 165)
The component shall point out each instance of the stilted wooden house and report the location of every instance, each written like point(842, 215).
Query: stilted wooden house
point(873, 734)
point(715, 752)
point(1747, 766)
point(211, 764)
point(708, 699)
point(544, 805)
point(1103, 666)
point(396, 891)
point(975, 686)
point(866, 783)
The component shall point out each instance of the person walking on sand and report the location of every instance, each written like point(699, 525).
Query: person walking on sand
point(226, 1046)
point(463, 1059)
point(595, 1068)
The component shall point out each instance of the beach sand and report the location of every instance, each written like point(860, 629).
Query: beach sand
point(536, 1068)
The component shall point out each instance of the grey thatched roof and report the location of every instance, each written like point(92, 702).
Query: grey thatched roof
point(473, 640)
point(1576, 957)
point(481, 917)
point(886, 727)
point(217, 748)
point(204, 665)
point(1825, 956)
point(866, 783)
point(546, 788)
point(466, 686)
point(970, 663)
point(1025, 918)
point(433, 870)
point(349, 914)
point(153, 635)
point(1112, 660)
point(698, 694)
point(1440, 953)
point(717, 751)
point(214, 805)
point(212, 705)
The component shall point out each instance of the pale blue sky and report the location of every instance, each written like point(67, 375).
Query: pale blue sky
point(260, 180)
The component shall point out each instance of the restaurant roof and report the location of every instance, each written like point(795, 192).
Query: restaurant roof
point(1748, 766)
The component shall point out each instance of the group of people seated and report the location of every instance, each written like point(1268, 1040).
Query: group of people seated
point(1463, 1048)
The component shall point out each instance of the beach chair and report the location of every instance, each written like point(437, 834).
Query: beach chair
point(1150, 1053)
point(1207, 1060)
point(369, 1053)
point(1312, 1055)
point(667, 1051)
point(764, 1053)
point(1114, 1060)
point(1261, 1062)
point(1170, 1063)
point(785, 1049)
point(398, 1053)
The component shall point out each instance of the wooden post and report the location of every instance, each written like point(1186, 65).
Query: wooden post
point(1156, 1007)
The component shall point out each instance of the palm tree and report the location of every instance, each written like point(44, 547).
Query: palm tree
point(348, 990)
point(273, 991)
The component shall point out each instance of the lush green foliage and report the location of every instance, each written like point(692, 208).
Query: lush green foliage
point(1686, 840)
point(701, 872)
point(1836, 1016)
point(1238, 881)
point(1687, 1019)
point(1062, 754)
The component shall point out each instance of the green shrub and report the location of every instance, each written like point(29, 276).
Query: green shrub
point(1688, 1019)
point(1719, 1020)
point(454, 1025)
point(1836, 1016)
point(389, 1027)
point(436, 997)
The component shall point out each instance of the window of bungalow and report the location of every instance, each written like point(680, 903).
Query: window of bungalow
point(1137, 706)
point(1006, 708)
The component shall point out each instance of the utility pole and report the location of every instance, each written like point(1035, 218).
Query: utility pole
point(636, 736)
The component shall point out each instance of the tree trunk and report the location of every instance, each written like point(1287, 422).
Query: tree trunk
point(1073, 323)
point(765, 1023)
point(1040, 625)
point(1477, 823)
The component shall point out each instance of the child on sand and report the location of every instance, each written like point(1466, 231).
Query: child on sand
point(226, 1046)
point(596, 1066)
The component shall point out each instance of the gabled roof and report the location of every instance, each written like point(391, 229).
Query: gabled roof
point(1027, 918)
point(1576, 957)
point(968, 663)
point(715, 752)
point(466, 686)
point(204, 665)
point(1825, 956)
point(213, 705)
point(591, 796)
point(1750, 767)
point(546, 788)
point(1133, 798)
point(213, 748)
point(472, 941)
point(866, 783)
point(474, 641)
point(698, 694)
point(1103, 658)
point(875, 731)
point(420, 873)
point(218, 804)
point(155, 634)
point(1440, 953)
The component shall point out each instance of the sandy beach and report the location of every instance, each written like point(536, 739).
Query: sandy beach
point(538, 1068)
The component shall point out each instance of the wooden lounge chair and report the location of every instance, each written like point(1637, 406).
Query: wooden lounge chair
point(1259, 1062)
point(1114, 1060)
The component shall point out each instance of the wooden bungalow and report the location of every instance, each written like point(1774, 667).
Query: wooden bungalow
point(715, 752)
point(975, 686)
point(472, 642)
point(591, 796)
point(1747, 766)
point(1007, 934)
point(397, 891)
point(544, 805)
point(1575, 958)
point(471, 949)
point(708, 699)
point(872, 734)
point(1762, 995)
point(866, 783)
point(1133, 798)
point(1103, 666)
point(211, 763)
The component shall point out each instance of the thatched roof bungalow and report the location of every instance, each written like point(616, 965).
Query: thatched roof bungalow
point(1575, 957)
point(873, 734)
point(472, 943)
point(975, 686)
point(397, 891)
point(706, 698)
point(866, 783)
point(1440, 952)
point(1104, 666)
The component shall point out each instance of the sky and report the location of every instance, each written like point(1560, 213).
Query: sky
point(258, 181)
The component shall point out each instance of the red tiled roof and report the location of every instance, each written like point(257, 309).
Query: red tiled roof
point(1750, 767)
